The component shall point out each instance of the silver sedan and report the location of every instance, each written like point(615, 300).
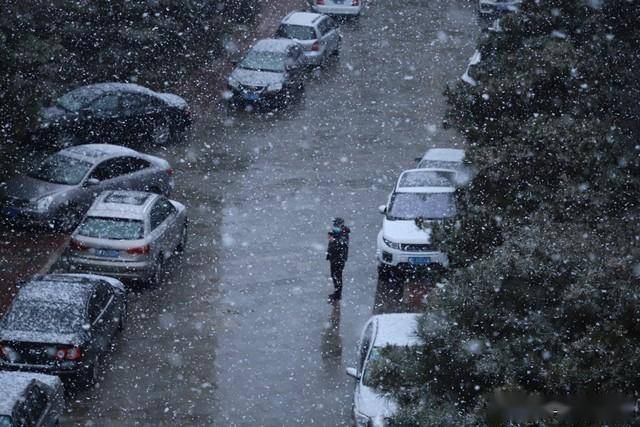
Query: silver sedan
point(128, 235)
point(58, 192)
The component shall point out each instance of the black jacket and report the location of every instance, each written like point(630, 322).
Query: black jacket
point(338, 248)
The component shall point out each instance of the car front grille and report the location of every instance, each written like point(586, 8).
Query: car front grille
point(250, 88)
point(417, 248)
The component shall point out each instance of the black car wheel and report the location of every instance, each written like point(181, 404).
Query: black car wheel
point(183, 239)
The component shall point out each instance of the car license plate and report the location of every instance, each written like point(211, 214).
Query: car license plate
point(109, 253)
point(419, 260)
point(250, 96)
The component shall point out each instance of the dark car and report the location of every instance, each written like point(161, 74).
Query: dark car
point(62, 324)
point(58, 191)
point(113, 112)
point(28, 399)
point(270, 74)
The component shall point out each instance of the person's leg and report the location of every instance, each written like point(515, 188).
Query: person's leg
point(338, 280)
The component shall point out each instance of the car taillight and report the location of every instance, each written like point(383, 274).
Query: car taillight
point(315, 46)
point(74, 245)
point(320, 2)
point(4, 351)
point(68, 353)
point(169, 171)
point(355, 2)
point(142, 250)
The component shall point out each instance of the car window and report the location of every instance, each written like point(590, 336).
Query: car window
point(6, 421)
point(134, 164)
point(20, 415)
point(133, 104)
point(61, 169)
point(323, 27)
point(297, 32)
point(331, 24)
point(98, 302)
point(115, 167)
point(366, 343)
point(407, 206)
point(38, 400)
point(106, 105)
point(160, 211)
point(111, 228)
point(43, 316)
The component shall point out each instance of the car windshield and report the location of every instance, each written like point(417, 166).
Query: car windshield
point(405, 206)
point(112, 228)
point(44, 316)
point(77, 99)
point(60, 169)
point(298, 32)
point(427, 178)
point(261, 60)
point(5, 421)
point(376, 357)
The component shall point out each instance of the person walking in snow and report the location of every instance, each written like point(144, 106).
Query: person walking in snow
point(337, 254)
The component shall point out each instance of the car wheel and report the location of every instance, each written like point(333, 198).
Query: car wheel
point(183, 239)
point(161, 134)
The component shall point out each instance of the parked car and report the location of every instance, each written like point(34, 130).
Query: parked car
point(338, 7)
point(446, 158)
point(128, 235)
point(58, 191)
point(30, 399)
point(113, 112)
point(370, 407)
point(272, 72)
point(62, 324)
point(491, 9)
point(318, 35)
point(404, 241)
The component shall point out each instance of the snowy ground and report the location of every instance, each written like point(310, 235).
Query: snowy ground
point(240, 332)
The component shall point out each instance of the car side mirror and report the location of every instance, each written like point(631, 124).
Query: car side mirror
point(91, 182)
point(353, 372)
point(382, 209)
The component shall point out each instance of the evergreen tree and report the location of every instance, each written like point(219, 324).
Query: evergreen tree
point(543, 298)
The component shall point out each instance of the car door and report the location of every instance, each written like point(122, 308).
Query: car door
point(163, 226)
point(135, 116)
point(117, 173)
point(102, 118)
point(100, 336)
point(295, 57)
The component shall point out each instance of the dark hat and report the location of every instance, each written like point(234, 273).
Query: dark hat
point(338, 222)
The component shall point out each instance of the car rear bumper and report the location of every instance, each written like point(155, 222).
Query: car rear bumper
point(121, 270)
point(69, 370)
point(337, 10)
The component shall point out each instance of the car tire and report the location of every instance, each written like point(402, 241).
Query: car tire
point(183, 239)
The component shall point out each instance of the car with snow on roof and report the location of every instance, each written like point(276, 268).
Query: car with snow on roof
point(270, 74)
point(113, 112)
point(129, 235)
point(420, 198)
point(383, 331)
point(318, 34)
point(62, 324)
point(59, 190)
point(30, 399)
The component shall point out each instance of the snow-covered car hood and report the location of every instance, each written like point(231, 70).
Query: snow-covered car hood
point(375, 405)
point(173, 100)
point(27, 188)
point(405, 231)
point(41, 337)
point(256, 78)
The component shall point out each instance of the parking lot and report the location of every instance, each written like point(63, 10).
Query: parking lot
point(239, 332)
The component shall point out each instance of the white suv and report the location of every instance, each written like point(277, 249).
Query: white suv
point(420, 195)
point(337, 7)
point(318, 35)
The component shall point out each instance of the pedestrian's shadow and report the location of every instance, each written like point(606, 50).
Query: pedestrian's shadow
point(331, 344)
